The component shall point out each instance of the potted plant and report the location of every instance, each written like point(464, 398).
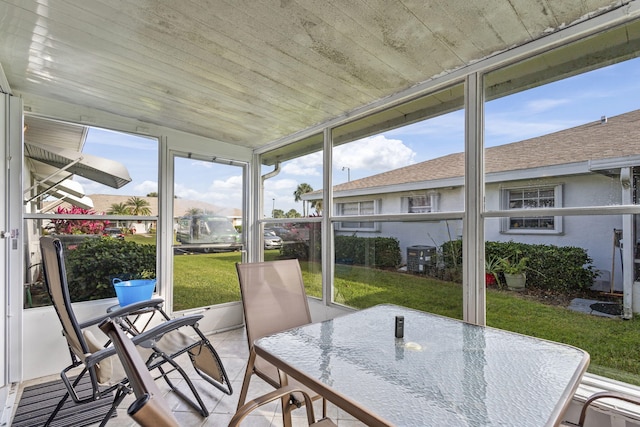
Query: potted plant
point(514, 272)
point(491, 270)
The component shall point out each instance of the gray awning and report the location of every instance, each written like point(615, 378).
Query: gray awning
point(81, 202)
point(98, 169)
point(67, 186)
point(65, 191)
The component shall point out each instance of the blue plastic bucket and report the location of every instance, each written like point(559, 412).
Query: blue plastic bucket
point(131, 291)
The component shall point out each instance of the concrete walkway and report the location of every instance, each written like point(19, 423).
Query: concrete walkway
point(584, 306)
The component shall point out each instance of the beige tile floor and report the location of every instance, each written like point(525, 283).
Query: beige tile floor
point(232, 348)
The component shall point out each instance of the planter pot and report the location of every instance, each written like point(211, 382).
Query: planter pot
point(489, 279)
point(515, 282)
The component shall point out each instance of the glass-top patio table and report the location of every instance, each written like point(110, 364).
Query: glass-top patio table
point(443, 372)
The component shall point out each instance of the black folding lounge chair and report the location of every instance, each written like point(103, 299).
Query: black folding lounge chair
point(160, 345)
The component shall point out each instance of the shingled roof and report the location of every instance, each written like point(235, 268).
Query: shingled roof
point(615, 137)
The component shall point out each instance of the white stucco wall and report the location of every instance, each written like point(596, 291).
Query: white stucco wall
point(414, 233)
point(593, 233)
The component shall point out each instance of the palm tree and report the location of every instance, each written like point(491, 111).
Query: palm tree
point(193, 211)
point(138, 206)
point(317, 205)
point(302, 189)
point(292, 214)
point(119, 209)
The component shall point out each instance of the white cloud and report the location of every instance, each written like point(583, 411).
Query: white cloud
point(226, 192)
point(541, 105)
point(278, 185)
point(223, 193)
point(185, 192)
point(146, 187)
point(309, 165)
point(376, 153)
point(300, 170)
point(504, 130)
point(233, 183)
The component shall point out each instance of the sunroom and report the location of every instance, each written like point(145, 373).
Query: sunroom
point(264, 102)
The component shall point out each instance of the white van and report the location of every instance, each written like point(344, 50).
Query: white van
point(209, 233)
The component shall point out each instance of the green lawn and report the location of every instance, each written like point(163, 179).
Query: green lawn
point(205, 279)
point(145, 239)
point(614, 344)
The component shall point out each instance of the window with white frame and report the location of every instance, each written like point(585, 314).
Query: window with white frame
point(368, 207)
point(531, 198)
point(421, 203)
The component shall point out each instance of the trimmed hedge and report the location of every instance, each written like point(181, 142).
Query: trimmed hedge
point(93, 264)
point(380, 252)
point(557, 268)
point(295, 246)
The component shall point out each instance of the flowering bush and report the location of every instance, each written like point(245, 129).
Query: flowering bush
point(76, 226)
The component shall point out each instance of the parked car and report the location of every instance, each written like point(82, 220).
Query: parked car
point(278, 231)
point(271, 241)
point(114, 232)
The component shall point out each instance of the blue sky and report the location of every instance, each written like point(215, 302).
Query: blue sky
point(571, 102)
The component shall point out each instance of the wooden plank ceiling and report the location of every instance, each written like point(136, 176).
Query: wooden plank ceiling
point(250, 72)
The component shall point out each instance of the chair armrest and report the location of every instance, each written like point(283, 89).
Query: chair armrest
point(155, 303)
point(147, 411)
point(279, 393)
point(163, 328)
point(153, 334)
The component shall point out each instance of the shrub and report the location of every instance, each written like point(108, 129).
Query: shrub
point(380, 252)
point(451, 254)
point(557, 268)
point(302, 241)
point(76, 226)
point(298, 250)
point(93, 264)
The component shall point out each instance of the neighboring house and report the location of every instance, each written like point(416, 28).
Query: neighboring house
point(589, 165)
point(101, 203)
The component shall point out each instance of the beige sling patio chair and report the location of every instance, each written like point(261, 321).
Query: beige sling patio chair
point(598, 396)
point(160, 345)
point(273, 300)
point(151, 410)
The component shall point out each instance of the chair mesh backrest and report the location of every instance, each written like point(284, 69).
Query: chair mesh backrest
point(273, 297)
point(56, 281)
